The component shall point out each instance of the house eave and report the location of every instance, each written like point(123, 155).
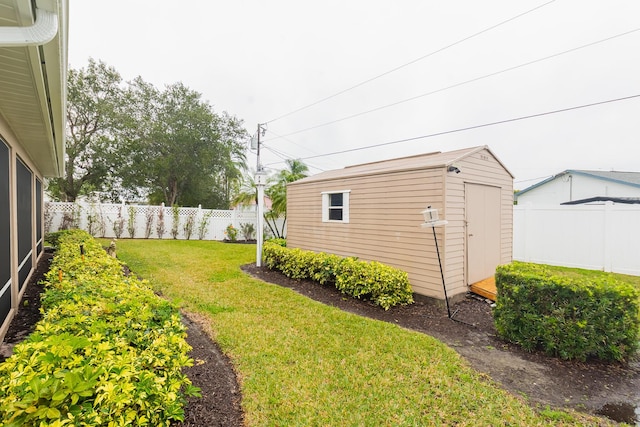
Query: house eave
point(414, 163)
point(33, 84)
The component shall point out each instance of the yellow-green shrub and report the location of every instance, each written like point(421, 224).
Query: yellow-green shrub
point(108, 351)
point(384, 285)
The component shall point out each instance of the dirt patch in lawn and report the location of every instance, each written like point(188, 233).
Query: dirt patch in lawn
point(594, 387)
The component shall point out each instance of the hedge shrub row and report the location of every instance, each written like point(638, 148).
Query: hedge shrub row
point(107, 352)
point(573, 316)
point(383, 285)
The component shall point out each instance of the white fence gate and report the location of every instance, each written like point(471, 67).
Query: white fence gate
point(138, 221)
point(596, 237)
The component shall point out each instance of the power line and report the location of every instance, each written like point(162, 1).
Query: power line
point(540, 178)
point(531, 116)
point(463, 83)
point(284, 156)
point(408, 63)
point(292, 142)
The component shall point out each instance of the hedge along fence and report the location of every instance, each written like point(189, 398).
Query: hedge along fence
point(385, 286)
point(573, 316)
point(108, 351)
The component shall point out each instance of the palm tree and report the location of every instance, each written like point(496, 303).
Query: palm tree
point(296, 169)
point(276, 190)
point(247, 193)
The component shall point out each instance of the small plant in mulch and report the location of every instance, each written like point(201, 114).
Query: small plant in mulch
point(248, 231)
point(160, 227)
point(203, 225)
point(231, 232)
point(175, 211)
point(187, 228)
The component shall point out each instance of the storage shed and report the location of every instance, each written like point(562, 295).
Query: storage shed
point(373, 211)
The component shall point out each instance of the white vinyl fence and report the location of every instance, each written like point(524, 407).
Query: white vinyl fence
point(138, 221)
point(596, 237)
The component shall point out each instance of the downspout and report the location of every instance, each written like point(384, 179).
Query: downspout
point(41, 32)
point(571, 188)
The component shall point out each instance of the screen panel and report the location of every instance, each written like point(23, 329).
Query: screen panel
point(39, 239)
point(5, 230)
point(25, 211)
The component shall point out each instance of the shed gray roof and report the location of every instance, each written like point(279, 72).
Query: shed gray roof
point(626, 178)
point(422, 161)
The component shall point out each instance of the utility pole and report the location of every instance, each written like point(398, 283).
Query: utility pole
point(258, 165)
point(260, 180)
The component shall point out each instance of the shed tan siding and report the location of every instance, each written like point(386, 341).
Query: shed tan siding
point(478, 168)
point(384, 222)
point(386, 200)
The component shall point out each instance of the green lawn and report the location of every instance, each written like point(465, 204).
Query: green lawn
point(581, 273)
point(301, 363)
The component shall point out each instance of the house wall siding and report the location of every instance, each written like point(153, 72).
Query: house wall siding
point(385, 217)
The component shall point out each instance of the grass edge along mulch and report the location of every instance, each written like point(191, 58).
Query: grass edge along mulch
point(303, 363)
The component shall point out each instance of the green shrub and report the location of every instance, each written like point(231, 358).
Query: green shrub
point(573, 316)
point(231, 232)
point(385, 286)
point(54, 238)
point(279, 242)
point(108, 351)
point(323, 268)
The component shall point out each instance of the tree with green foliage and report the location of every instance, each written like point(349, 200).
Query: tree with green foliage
point(186, 154)
point(94, 122)
point(246, 193)
point(133, 141)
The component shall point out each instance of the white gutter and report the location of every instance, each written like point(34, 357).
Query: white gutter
point(41, 32)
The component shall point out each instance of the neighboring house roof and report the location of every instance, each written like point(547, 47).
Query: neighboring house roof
point(267, 204)
point(422, 161)
point(627, 178)
point(33, 78)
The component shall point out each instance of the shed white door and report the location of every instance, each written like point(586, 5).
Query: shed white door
point(483, 231)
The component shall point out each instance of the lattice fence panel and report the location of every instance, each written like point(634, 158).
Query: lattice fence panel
point(143, 221)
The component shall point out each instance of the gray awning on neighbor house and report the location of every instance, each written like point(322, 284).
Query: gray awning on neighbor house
point(602, 199)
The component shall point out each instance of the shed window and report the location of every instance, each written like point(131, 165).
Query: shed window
point(335, 206)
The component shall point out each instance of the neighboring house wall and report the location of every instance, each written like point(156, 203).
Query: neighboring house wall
point(576, 186)
point(385, 217)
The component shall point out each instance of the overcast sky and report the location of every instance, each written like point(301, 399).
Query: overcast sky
point(260, 60)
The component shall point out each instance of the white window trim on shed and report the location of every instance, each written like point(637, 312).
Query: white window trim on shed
point(326, 196)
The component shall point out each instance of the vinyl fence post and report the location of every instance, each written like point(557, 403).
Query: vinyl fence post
point(607, 244)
